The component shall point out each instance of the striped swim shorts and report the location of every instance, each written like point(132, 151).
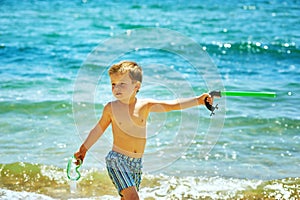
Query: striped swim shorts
point(124, 171)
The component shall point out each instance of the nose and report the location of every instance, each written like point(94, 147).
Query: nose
point(116, 87)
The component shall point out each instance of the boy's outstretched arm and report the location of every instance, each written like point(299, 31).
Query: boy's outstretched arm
point(179, 104)
point(94, 134)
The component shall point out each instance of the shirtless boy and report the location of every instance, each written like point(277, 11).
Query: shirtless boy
point(128, 117)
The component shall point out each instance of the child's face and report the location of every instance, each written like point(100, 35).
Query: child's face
point(123, 87)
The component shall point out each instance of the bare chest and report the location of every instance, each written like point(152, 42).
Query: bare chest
point(130, 120)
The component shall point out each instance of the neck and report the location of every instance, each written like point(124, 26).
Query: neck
point(132, 100)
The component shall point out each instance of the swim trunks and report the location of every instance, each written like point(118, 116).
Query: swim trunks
point(124, 171)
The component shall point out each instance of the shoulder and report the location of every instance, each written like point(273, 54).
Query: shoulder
point(111, 103)
point(150, 101)
point(107, 108)
point(147, 102)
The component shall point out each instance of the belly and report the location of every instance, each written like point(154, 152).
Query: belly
point(128, 145)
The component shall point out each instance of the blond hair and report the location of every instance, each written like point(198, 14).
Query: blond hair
point(134, 70)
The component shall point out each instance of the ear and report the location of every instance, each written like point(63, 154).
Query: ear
point(137, 85)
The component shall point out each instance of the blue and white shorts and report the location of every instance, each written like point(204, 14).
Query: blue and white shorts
point(124, 171)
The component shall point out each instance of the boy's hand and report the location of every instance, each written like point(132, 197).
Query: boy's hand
point(209, 99)
point(80, 155)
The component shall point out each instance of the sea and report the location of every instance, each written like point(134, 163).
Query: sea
point(54, 58)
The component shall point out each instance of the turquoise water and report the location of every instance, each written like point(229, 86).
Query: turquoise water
point(251, 46)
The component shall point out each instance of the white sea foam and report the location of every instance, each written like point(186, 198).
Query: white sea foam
point(196, 187)
point(13, 195)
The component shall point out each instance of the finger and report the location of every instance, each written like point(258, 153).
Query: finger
point(76, 155)
point(79, 161)
point(210, 100)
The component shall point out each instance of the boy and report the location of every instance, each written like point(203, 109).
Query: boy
point(128, 116)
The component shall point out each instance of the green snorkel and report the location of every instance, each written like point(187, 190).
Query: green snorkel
point(235, 93)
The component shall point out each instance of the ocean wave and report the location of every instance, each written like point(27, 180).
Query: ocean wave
point(253, 47)
point(28, 181)
point(58, 107)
